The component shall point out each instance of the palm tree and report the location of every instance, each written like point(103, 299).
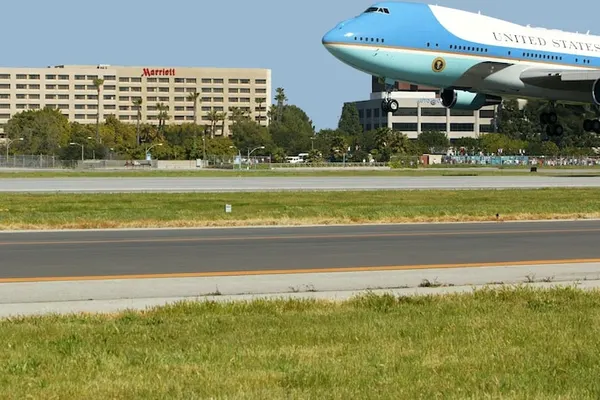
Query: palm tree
point(98, 82)
point(214, 117)
point(194, 97)
point(260, 101)
point(137, 103)
point(163, 115)
point(238, 115)
point(280, 98)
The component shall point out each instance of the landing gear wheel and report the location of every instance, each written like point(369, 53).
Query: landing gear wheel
point(596, 126)
point(388, 105)
point(554, 130)
point(549, 118)
point(385, 106)
point(588, 125)
point(558, 130)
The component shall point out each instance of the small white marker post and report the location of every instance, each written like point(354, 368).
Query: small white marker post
point(227, 208)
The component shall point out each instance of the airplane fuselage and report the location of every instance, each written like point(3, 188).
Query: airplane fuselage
point(448, 48)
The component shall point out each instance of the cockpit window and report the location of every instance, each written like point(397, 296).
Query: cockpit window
point(380, 10)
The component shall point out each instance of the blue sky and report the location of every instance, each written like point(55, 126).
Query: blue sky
point(283, 35)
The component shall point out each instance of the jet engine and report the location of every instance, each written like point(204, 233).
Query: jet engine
point(463, 100)
point(596, 92)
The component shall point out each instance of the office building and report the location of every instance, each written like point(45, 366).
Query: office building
point(71, 89)
point(420, 109)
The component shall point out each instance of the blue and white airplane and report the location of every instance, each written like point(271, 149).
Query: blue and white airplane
point(475, 60)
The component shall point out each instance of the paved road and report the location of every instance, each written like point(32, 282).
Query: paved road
point(118, 253)
point(234, 184)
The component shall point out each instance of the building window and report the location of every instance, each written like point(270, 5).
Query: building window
point(405, 126)
point(261, 81)
point(485, 128)
point(486, 113)
point(433, 112)
point(433, 127)
point(459, 127)
point(461, 113)
point(406, 111)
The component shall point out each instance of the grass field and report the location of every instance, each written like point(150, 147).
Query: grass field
point(50, 211)
point(443, 171)
point(504, 343)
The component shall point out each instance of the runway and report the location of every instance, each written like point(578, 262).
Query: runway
point(262, 251)
point(245, 184)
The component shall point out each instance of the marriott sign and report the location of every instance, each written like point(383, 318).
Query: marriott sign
point(158, 72)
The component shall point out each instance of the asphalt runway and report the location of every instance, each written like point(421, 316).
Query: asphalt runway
point(245, 184)
point(264, 251)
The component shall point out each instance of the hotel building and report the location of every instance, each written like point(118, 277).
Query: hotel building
point(420, 109)
point(71, 89)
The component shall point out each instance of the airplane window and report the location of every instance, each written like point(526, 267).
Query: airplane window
point(381, 40)
point(377, 10)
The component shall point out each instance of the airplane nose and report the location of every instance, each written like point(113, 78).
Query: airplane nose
point(329, 37)
point(335, 35)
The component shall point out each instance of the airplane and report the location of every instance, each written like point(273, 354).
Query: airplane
point(475, 60)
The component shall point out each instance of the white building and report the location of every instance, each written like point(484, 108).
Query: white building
point(421, 111)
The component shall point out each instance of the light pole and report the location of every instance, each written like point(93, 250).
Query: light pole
point(250, 152)
point(8, 143)
point(239, 155)
point(154, 145)
point(77, 144)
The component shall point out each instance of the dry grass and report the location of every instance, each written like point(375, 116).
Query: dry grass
point(83, 211)
point(501, 343)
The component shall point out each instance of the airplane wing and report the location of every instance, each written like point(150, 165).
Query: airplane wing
point(555, 79)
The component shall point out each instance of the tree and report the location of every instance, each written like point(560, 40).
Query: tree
point(193, 97)
point(389, 143)
point(433, 142)
point(280, 99)
point(98, 82)
point(249, 134)
point(137, 103)
point(349, 123)
point(163, 116)
point(214, 117)
point(260, 101)
point(43, 131)
point(294, 132)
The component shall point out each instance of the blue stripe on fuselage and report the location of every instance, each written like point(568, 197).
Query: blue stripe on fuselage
point(414, 26)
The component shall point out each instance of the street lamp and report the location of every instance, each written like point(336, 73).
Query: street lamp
point(8, 143)
point(154, 145)
point(77, 144)
point(239, 155)
point(250, 152)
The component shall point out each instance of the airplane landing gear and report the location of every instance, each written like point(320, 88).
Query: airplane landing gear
point(591, 125)
point(550, 119)
point(388, 104)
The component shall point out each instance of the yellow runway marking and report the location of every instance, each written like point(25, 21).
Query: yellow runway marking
point(300, 271)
